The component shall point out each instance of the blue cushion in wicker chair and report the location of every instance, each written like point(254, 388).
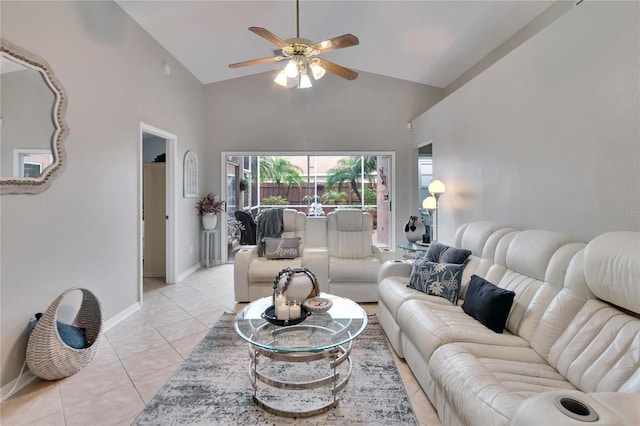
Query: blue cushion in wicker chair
point(72, 336)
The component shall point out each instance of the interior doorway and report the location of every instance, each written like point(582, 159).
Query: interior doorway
point(156, 205)
point(425, 177)
point(154, 195)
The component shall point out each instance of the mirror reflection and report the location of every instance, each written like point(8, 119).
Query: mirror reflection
point(27, 104)
point(32, 122)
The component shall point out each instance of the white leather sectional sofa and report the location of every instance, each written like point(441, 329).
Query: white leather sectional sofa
point(337, 248)
point(571, 344)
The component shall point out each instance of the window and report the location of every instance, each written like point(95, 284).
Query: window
point(314, 184)
point(31, 162)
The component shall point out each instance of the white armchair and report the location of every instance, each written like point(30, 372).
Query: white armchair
point(354, 261)
point(254, 275)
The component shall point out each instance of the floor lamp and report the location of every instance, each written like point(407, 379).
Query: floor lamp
point(436, 188)
point(430, 204)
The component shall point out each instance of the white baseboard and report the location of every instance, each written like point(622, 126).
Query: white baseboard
point(154, 275)
point(188, 272)
point(121, 316)
point(26, 378)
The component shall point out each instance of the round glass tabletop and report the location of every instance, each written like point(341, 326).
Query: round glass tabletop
point(413, 246)
point(345, 321)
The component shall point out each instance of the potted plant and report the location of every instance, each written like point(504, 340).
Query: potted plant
point(207, 208)
point(244, 184)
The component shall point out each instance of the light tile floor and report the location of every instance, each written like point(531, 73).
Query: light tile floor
point(139, 355)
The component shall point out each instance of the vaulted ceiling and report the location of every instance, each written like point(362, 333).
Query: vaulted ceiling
point(429, 42)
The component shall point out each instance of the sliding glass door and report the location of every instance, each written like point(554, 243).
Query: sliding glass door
point(314, 184)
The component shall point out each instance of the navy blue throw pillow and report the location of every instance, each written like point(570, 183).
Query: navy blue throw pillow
point(488, 303)
point(437, 279)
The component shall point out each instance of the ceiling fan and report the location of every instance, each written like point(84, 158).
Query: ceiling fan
point(301, 53)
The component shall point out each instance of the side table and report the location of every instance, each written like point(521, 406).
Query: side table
point(411, 250)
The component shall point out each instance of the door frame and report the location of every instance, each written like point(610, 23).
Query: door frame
point(170, 201)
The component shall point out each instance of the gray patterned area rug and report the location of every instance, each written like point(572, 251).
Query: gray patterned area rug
point(212, 387)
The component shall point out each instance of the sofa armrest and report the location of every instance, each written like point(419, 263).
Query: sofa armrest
point(316, 259)
point(625, 405)
point(383, 253)
point(394, 268)
point(241, 263)
point(541, 409)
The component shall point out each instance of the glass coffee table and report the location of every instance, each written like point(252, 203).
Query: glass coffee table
point(324, 338)
point(411, 250)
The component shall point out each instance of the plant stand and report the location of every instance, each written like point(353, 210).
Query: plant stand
point(208, 247)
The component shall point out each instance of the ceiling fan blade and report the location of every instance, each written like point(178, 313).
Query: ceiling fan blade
point(257, 61)
point(337, 69)
point(268, 35)
point(346, 40)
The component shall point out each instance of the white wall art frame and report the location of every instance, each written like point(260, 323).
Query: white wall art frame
point(190, 175)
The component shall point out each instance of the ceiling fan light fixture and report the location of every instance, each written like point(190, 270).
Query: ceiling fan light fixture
point(300, 53)
point(291, 70)
point(282, 79)
point(317, 71)
point(305, 82)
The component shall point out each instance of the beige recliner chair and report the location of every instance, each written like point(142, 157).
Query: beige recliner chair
point(354, 261)
point(254, 275)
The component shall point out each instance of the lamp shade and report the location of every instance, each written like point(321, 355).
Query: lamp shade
point(429, 203)
point(436, 187)
point(305, 83)
point(281, 79)
point(316, 70)
point(291, 70)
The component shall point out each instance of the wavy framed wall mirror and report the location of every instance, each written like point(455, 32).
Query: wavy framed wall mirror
point(33, 104)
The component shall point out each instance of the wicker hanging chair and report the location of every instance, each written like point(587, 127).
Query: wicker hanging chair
point(48, 356)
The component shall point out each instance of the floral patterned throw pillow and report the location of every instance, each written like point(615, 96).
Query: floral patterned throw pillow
point(437, 279)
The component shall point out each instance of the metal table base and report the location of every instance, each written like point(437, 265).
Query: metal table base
point(336, 356)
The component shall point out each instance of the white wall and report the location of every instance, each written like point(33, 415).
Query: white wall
point(367, 114)
point(548, 137)
point(83, 230)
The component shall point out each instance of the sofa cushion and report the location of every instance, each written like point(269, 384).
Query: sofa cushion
point(599, 350)
point(394, 291)
point(612, 270)
point(349, 234)
point(488, 303)
point(345, 270)
point(349, 220)
point(446, 254)
point(265, 270)
point(430, 325)
point(281, 248)
point(454, 255)
point(485, 384)
point(437, 279)
point(434, 251)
